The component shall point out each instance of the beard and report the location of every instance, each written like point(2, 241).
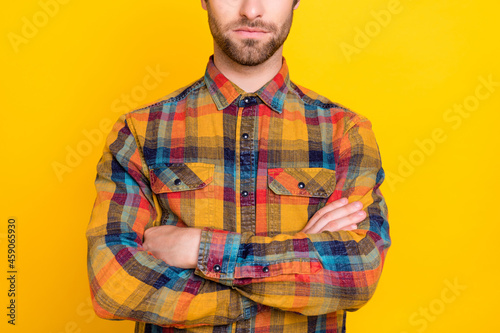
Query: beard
point(249, 52)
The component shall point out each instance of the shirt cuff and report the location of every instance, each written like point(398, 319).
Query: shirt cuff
point(218, 255)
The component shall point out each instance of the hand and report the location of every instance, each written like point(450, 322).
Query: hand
point(336, 216)
point(176, 246)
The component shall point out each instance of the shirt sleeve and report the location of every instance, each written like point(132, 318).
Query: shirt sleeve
point(126, 282)
point(312, 274)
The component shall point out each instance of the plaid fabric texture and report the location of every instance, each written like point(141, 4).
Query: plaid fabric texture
point(250, 170)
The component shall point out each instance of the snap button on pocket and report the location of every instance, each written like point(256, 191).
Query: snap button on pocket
point(302, 185)
point(177, 182)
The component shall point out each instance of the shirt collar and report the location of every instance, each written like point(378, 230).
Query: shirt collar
point(224, 92)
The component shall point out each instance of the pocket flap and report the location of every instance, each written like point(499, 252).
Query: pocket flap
point(307, 182)
point(178, 177)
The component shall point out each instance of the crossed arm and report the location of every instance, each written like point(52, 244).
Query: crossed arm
point(179, 247)
point(338, 264)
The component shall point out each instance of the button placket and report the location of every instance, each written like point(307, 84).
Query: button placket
point(248, 160)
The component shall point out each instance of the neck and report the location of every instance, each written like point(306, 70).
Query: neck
point(248, 78)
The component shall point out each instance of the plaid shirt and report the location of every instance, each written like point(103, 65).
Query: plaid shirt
point(250, 170)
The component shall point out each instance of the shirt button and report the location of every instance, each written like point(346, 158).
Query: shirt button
point(244, 194)
point(217, 268)
point(246, 100)
point(265, 269)
point(302, 185)
point(245, 136)
point(177, 182)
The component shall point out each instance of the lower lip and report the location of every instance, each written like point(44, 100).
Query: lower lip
point(250, 34)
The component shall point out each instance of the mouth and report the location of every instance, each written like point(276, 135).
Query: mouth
point(250, 32)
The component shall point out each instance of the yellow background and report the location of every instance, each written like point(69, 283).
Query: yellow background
point(69, 77)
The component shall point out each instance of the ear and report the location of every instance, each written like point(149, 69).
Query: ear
point(294, 7)
point(204, 4)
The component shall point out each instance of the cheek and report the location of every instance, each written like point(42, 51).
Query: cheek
point(279, 11)
point(224, 11)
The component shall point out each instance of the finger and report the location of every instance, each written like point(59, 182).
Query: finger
point(350, 227)
point(338, 224)
point(336, 214)
point(328, 208)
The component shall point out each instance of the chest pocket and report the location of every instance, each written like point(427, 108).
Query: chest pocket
point(185, 192)
point(295, 194)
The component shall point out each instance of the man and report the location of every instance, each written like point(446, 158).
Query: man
point(241, 203)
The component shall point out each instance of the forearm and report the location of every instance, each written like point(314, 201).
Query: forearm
point(311, 274)
point(127, 283)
